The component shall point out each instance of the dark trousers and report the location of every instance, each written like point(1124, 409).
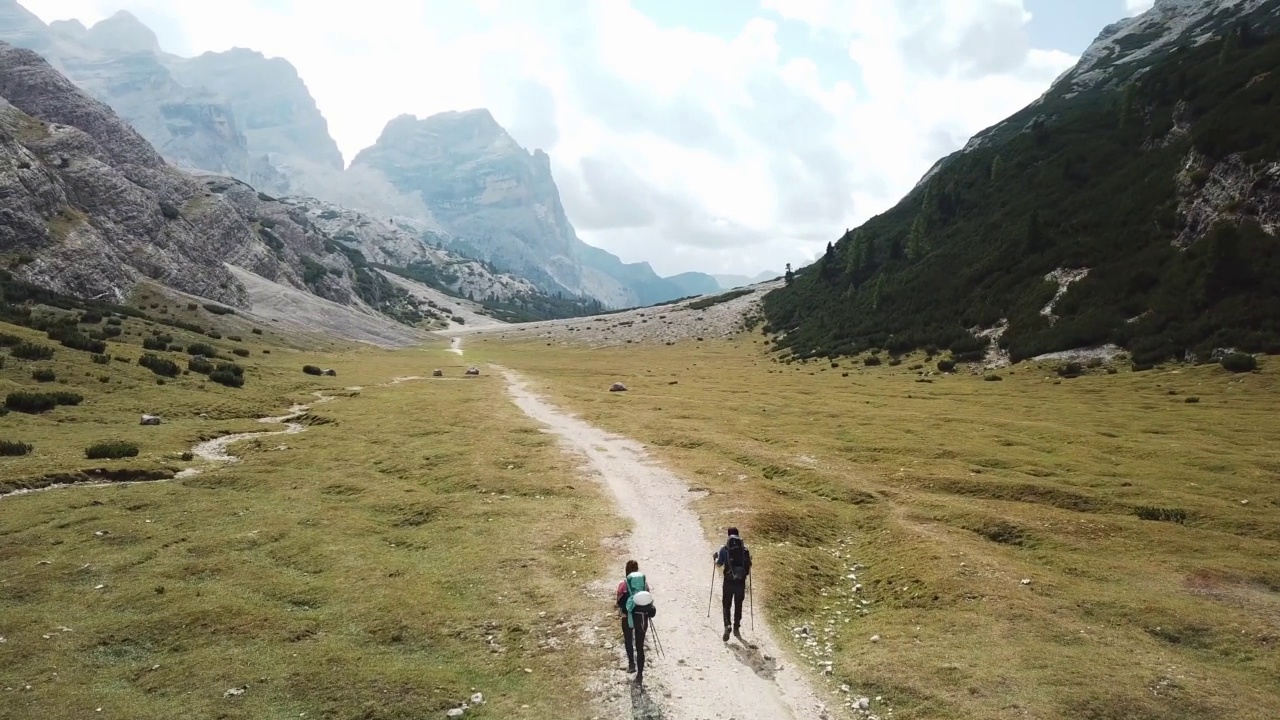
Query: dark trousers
point(633, 638)
point(733, 591)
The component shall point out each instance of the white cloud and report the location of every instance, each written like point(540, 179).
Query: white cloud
point(689, 150)
point(1134, 7)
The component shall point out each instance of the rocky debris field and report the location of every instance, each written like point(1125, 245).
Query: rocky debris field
point(703, 318)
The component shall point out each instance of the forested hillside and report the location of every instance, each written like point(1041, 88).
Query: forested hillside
point(1161, 182)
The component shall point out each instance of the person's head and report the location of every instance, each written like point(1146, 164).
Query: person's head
point(733, 532)
point(632, 566)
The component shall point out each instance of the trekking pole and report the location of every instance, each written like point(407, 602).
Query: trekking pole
point(751, 599)
point(711, 593)
point(657, 641)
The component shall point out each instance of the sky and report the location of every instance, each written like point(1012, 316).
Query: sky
point(726, 136)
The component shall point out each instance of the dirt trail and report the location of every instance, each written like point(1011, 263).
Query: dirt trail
point(701, 676)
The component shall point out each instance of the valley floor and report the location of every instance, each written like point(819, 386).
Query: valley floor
point(1096, 547)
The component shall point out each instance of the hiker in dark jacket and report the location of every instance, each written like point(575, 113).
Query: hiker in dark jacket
point(734, 557)
point(635, 618)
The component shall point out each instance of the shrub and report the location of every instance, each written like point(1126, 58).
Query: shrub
point(1174, 515)
point(1142, 367)
point(312, 370)
point(188, 456)
point(44, 375)
point(104, 379)
point(1071, 370)
point(34, 403)
point(235, 338)
point(1192, 400)
point(992, 377)
point(871, 361)
point(111, 450)
point(101, 359)
point(31, 351)
point(114, 322)
point(169, 211)
point(159, 342)
point(1239, 362)
point(91, 317)
point(226, 377)
point(14, 449)
point(159, 365)
point(204, 349)
point(895, 361)
point(242, 352)
point(111, 331)
point(257, 331)
point(203, 367)
point(459, 319)
point(69, 337)
point(7, 340)
point(219, 309)
point(946, 365)
point(232, 368)
point(214, 334)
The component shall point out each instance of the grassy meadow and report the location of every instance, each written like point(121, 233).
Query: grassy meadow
point(1103, 547)
point(417, 544)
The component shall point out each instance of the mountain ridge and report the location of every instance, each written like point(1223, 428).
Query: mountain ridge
point(1154, 184)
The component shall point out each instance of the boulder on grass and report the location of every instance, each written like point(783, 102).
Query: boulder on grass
point(331, 372)
point(150, 419)
point(437, 373)
point(473, 371)
point(617, 387)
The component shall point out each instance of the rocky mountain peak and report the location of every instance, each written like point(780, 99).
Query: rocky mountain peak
point(122, 32)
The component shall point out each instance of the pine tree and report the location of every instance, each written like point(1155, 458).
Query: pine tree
point(915, 243)
point(790, 275)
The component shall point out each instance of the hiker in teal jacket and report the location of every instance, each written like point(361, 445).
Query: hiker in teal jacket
point(635, 616)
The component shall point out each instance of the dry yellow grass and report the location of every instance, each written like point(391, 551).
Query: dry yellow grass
point(942, 497)
point(397, 555)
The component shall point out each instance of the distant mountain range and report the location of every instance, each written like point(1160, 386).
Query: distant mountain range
point(457, 175)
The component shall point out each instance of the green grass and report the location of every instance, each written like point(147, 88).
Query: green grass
point(950, 493)
point(416, 542)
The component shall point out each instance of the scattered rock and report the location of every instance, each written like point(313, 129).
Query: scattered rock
point(1026, 581)
point(862, 703)
point(875, 638)
point(150, 419)
point(437, 373)
point(235, 692)
point(455, 713)
point(473, 371)
point(331, 372)
point(477, 699)
point(617, 387)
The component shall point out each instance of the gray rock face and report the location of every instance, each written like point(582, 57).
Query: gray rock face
point(99, 210)
point(276, 111)
point(500, 203)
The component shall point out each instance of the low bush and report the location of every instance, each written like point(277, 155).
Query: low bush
point(946, 365)
point(226, 377)
point(1239, 362)
point(104, 379)
point(312, 370)
point(24, 350)
point(257, 331)
point(14, 449)
point(992, 377)
point(235, 338)
point(204, 367)
point(7, 340)
point(242, 352)
point(111, 450)
point(160, 366)
point(111, 331)
point(44, 375)
point(214, 334)
point(219, 309)
point(91, 317)
point(34, 403)
point(871, 361)
point(1071, 370)
point(101, 359)
point(1174, 515)
point(158, 342)
point(69, 337)
point(115, 322)
point(232, 368)
point(169, 211)
point(204, 349)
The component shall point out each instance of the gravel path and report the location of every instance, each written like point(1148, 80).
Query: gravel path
point(700, 676)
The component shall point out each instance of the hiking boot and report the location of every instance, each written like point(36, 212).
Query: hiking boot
point(631, 667)
point(726, 634)
point(738, 634)
point(640, 677)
